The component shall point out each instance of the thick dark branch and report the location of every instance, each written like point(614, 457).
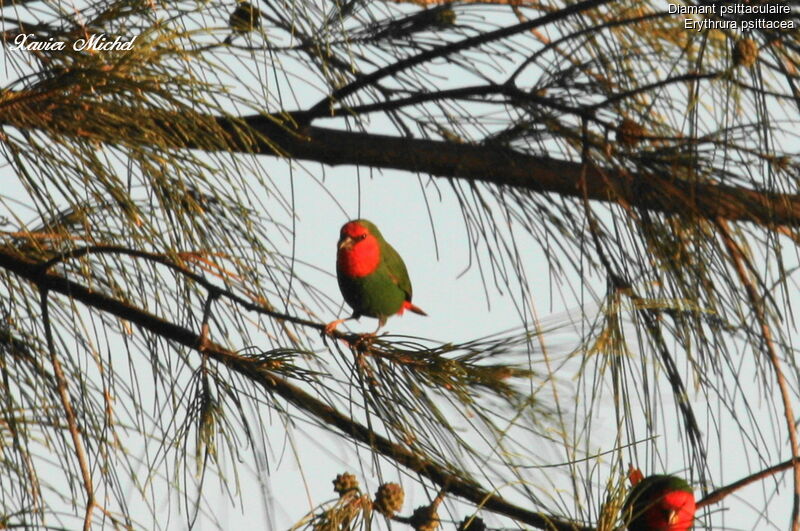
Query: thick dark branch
point(276, 135)
point(506, 167)
point(251, 368)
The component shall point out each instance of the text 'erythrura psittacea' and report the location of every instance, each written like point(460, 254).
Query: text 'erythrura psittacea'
point(372, 276)
point(660, 503)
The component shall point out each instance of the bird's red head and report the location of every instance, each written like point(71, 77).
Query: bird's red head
point(359, 249)
point(659, 503)
point(674, 511)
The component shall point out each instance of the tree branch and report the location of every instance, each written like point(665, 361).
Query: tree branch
point(252, 369)
point(738, 259)
point(278, 135)
point(722, 492)
point(505, 167)
point(69, 412)
point(319, 109)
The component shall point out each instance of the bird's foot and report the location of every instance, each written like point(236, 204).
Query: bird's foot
point(331, 327)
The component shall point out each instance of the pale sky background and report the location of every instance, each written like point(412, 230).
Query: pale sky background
point(458, 311)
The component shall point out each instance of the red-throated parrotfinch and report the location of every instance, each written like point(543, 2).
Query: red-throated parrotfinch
point(372, 276)
point(659, 503)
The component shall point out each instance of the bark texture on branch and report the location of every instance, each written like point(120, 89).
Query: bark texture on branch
point(506, 167)
point(278, 135)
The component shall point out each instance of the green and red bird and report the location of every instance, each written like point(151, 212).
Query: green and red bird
point(659, 503)
point(372, 276)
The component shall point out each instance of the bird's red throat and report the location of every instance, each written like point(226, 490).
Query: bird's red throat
point(363, 256)
point(680, 506)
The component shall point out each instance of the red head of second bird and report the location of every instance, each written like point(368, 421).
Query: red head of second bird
point(660, 503)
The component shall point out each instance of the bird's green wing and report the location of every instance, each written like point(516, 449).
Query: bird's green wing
point(395, 268)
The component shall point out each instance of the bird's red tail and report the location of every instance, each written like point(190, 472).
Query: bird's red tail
point(410, 307)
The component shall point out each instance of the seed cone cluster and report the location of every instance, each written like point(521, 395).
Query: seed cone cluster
point(425, 518)
point(345, 483)
point(245, 18)
point(745, 53)
point(389, 499)
point(629, 133)
point(472, 524)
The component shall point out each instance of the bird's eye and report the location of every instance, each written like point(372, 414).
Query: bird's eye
point(360, 237)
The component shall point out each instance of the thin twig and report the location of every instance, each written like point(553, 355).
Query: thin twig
point(623, 285)
point(320, 108)
point(164, 260)
point(737, 259)
point(212, 296)
point(722, 492)
point(63, 391)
